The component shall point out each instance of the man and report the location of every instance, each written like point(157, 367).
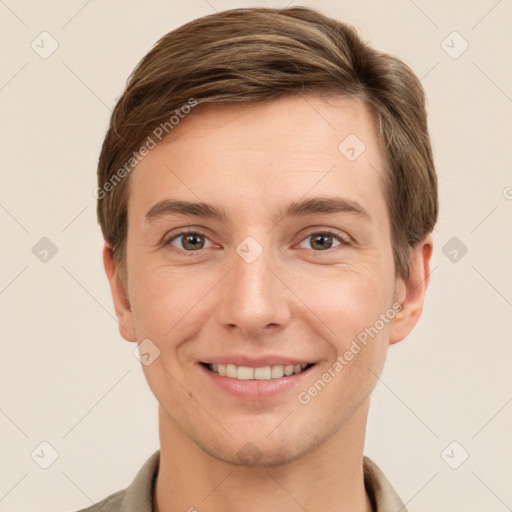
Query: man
point(267, 193)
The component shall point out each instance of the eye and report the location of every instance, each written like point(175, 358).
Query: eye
point(190, 241)
point(323, 240)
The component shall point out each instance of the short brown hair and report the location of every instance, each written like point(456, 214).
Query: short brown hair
point(255, 55)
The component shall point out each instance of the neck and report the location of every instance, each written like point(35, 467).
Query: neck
point(330, 477)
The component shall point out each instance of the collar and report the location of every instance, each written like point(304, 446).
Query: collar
point(138, 496)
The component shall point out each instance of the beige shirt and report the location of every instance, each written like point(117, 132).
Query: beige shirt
point(138, 496)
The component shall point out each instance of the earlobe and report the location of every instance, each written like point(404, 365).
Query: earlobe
point(119, 295)
point(411, 293)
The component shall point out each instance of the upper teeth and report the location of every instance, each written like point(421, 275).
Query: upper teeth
point(262, 373)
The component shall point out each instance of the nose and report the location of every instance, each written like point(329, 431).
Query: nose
point(255, 298)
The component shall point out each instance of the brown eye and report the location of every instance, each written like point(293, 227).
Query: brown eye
point(190, 241)
point(321, 241)
point(324, 240)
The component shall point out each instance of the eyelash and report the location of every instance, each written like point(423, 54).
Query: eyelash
point(335, 234)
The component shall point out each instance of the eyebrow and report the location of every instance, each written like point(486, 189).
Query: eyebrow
point(301, 208)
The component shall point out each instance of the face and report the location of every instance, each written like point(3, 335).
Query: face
point(284, 269)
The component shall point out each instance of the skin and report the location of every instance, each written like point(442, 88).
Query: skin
point(294, 299)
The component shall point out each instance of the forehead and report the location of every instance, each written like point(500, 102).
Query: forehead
point(259, 156)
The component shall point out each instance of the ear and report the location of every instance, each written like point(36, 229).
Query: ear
point(119, 295)
point(411, 293)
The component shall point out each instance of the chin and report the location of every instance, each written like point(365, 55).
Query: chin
point(257, 450)
point(254, 455)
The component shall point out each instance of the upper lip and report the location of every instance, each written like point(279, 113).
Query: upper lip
point(256, 362)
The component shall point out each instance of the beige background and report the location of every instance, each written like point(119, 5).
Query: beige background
point(69, 379)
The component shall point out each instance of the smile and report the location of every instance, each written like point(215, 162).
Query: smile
point(255, 380)
point(277, 371)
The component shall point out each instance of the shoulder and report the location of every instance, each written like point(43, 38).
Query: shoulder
point(112, 503)
point(379, 489)
point(137, 497)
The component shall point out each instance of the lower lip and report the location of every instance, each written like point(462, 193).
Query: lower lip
point(255, 389)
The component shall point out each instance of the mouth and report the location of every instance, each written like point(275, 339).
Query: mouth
point(277, 371)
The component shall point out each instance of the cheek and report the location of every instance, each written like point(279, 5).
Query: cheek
point(349, 311)
point(347, 301)
point(167, 301)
